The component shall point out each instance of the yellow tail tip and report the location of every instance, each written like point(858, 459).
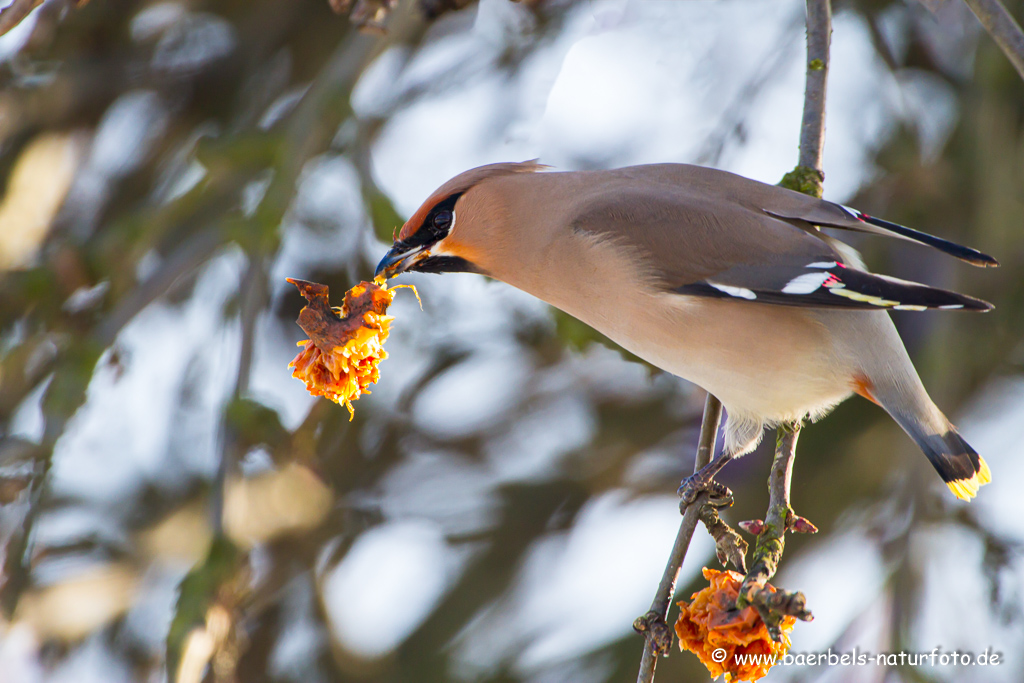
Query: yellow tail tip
point(966, 489)
point(984, 474)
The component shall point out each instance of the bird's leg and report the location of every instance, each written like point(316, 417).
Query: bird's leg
point(704, 480)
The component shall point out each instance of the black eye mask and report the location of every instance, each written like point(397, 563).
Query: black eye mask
point(436, 225)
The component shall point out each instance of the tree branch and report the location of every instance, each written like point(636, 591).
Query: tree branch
point(1003, 28)
point(812, 128)
point(253, 291)
point(657, 633)
point(729, 545)
point(771, 542)
point(808, 175)
point(15, 13)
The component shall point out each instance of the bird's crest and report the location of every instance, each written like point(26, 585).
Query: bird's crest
point(461, 183)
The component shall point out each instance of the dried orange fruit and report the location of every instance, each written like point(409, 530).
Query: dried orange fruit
point(712, 628)
point(345, 345)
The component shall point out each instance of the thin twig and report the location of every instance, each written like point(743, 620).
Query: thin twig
point(1003, 28)
point(253, 290)
point(185, 259)
point(771, 542)
point(812, 128)
point(15, 13)
point(807, 177)
point(809, 174)
point(68, 384)
point(17, 564)
point(731, 124)
point(657, 634)
point(729, 545)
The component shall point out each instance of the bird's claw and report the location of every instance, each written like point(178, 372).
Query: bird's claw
point(657, 633)
point(719, 495)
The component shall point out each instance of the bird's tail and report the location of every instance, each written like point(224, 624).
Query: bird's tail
point(905, 399)
point(959, 465)
point(883, 373)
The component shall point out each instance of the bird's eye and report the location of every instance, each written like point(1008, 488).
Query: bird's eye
point(443, 219)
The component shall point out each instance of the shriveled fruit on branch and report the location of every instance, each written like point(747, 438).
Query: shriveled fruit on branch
point(727, 640)
point(346, 343)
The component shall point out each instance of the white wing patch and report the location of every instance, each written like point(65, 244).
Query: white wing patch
point(741, 292)
point(854, 213)
point(822, 264)
point(806, 284)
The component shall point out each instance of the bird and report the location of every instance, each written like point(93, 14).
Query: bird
point(725, 281)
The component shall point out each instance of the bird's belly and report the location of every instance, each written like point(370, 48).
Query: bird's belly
point(773, 363)
point(769, 363)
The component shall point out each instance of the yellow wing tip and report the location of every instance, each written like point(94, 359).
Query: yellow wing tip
point(966, 489)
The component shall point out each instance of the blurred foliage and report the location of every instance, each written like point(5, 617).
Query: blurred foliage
point(198, 592)
point(228, 103)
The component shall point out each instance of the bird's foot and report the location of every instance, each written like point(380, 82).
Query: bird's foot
point(656, 632)
point(719, 495)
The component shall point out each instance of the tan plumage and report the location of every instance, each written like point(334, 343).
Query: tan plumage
point(718, 279)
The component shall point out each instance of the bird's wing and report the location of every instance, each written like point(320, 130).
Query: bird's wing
point(803, 210)
point(826, 214)
point(699, 246)
point(828, 284)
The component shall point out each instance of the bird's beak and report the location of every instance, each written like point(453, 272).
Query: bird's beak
point(400, 259)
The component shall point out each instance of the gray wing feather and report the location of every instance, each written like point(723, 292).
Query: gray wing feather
point(703, 238)
point(802, 210)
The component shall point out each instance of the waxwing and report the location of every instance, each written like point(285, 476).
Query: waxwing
point(721, 280)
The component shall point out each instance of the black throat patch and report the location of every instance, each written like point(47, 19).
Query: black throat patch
point(445, 264)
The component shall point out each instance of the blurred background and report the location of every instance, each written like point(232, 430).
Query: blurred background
point(502, 505)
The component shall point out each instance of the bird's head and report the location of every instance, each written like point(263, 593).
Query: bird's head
point(439, 237)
